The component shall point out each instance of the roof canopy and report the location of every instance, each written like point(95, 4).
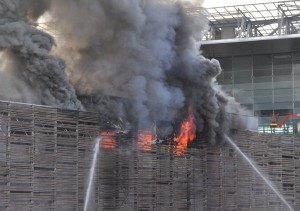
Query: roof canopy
point(252, 20)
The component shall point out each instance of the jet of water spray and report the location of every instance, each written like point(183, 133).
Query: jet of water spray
point(268, 182)
point(92, 173)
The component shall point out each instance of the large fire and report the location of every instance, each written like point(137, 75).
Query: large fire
point(186, 134)
point(145, 138)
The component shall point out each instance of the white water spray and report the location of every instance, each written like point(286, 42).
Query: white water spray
point(268, 182)
point(92, 173)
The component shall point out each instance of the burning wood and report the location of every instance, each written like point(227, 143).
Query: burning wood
point(145, 139)
point(108, 143)
point(187, 133)
point(108, 140)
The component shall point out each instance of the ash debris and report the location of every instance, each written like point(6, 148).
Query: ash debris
point(144, 51)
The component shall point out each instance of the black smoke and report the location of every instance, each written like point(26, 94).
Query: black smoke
point(143, 51)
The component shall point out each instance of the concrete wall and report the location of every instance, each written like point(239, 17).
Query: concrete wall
point(45, 155)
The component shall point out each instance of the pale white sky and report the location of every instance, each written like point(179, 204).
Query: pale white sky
point(221, 3)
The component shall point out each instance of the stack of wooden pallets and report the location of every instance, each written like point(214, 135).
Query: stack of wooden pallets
point(46, 153)
point(44, 158)
point(4, 169)
point(20, 156)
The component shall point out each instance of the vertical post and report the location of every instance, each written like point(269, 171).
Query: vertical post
point(249, 30)
point(212, 33)
point(243, 26)
point(280, 20)
point(287, 27)
point(238, 24)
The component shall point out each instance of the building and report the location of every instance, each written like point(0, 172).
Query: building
point(258, 46)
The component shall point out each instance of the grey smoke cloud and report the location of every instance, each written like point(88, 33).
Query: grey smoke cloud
point(13, 89)
point(144, 51)
point(28, 49)
point(124, 48)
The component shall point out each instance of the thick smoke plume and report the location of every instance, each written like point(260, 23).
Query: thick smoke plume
point(143, 51)
point(28, 59)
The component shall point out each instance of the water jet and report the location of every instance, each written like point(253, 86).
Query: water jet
point(255, 168)
point(92, 173)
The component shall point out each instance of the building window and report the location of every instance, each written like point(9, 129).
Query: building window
point(282, 64)
point(262, 65)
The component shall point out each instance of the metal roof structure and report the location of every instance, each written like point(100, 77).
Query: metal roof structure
point(251, 20)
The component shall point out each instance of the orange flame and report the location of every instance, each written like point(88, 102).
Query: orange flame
point(145, 140)
point(187, 133)
point(107, 133)
point(108, 142)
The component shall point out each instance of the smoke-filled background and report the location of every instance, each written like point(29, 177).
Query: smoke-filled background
point(138, 60)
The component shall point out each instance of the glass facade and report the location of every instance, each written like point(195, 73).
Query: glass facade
point(267, 84)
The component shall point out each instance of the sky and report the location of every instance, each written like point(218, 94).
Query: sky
point(221, 3)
